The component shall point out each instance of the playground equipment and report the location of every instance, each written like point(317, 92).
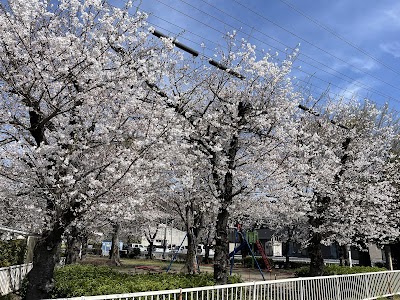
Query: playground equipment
point(245, 244)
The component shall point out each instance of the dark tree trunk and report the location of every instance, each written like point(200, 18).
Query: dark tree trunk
point(114, 255)
point(287, 254)
point(343, 253)
point(315, 253)
point(207, 247)
point(225, 186)
point(150, 239)
point(364, 257)
point(396, 255)
point(287, 249)
point(206, 258)
point(45, 258)
point(221, 248)
point(191, 256)
point(245, 251)
point(150, 249)
point(72, 251)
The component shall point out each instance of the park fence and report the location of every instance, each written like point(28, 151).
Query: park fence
point(338, 287)
point(11, 278)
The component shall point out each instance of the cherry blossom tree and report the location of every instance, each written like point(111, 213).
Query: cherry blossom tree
point(186, 193)
point(238, 119)
point(340, 176)
point(73, 119)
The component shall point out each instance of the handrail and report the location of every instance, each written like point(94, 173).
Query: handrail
point(365, 286)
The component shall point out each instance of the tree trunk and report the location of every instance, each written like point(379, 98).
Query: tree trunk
point(343, 252)
point(315, 253)
point(388, 258)
point(245, 251)
point(30, 248)
point(206, 258)
point(72, 251)
point(191, 256)
point(221, 248)
point(84, 246)
point(364, 257)
point(114, 255)
point(287, 254)
point(287, 249)
point(150, 249)
point(45, 258)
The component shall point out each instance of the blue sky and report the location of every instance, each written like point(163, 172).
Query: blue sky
point(361, 58)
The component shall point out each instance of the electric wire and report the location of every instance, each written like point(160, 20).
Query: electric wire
point(349, 78)
point(314, 45)
point(223, 33)
point(331, 31)
point(341, 96)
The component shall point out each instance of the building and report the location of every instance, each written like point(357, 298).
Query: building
point(172, 236)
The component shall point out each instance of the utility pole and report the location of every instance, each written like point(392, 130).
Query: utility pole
point(165, 239)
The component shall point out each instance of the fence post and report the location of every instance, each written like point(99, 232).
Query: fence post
point(254, 290)
point(337, 287)
point(301, 290)
point(389, 283)
point(367, 286)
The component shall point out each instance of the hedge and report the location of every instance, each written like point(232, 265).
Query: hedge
point(86, 280)
point(338, 270)
point(12, 252)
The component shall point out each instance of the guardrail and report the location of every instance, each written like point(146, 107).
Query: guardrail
point(11, 277)
point(339, 287)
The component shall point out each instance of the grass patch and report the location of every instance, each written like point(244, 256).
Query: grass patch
point(87, 280)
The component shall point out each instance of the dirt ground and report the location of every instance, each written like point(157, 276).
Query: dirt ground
point(135, 266)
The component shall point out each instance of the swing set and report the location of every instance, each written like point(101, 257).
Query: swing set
point(245, 244)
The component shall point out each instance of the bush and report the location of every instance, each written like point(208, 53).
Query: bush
point(338, 270)
point(12, 252)
point(86, 280)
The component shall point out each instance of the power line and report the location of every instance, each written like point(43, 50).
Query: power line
point(312, 44)
point(297, 79)
point(350, 79)
point(223, 33)
point(224, 68)
point(240, 76)
point(331, 31)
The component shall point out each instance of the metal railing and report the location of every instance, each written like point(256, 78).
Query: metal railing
point(11, 277)
point(338, 287)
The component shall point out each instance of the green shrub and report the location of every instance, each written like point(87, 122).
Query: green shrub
point(338, 270)
point(302, 271)
point(12, 252)
point(86, 280)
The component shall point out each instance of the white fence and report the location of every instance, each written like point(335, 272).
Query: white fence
point(342, 287)
point(11, 278)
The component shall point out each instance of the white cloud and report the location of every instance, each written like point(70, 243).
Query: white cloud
point(366, 64)
point(392, 48)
